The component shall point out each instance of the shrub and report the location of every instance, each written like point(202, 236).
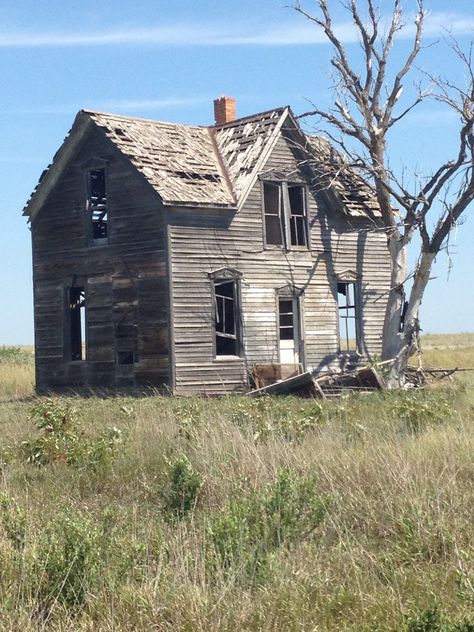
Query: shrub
point(250, 530)
point(267, 416)
point(62, 441)
point(417, 411)
point(15, 355)
point(188, 418)
point(13, 521)
point(68, 562)
point(431, 621)
point(57, 420)
point(92, 453)
point(183, 488)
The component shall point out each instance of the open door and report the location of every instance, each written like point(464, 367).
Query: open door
point(289, 330)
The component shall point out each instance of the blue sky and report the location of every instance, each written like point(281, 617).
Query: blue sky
point(168, 59)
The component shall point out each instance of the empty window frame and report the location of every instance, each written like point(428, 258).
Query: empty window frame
point(76, 305)
point(226, 317)
point(285, 214)
point(297, 215)
point(272, 213)
point(286, 319)
point(348, 316)
point(97, 204)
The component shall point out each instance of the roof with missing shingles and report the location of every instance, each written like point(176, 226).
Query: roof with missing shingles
point(356, 195)
point(179, 161)
point(190, 165)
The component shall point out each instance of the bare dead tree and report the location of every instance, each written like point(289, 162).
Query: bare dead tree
point(367, 106)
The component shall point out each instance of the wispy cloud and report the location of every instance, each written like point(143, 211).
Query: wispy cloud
point(431, 118)
point(281, 34)
point(135, 105)
point(144, 105)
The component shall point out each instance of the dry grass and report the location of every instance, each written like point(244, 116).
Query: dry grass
point(89, 542)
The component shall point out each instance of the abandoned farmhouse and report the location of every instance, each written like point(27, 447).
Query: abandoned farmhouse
point(189, 258)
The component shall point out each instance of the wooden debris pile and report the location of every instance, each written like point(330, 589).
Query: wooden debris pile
point(334, 384)
point(421, 376)
point(364, 380)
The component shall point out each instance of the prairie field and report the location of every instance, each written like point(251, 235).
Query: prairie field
point(160, 513)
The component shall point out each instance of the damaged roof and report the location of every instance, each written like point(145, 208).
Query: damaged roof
point(242, 144)
point(356, 195)
point(202, 166)
point(179, 161)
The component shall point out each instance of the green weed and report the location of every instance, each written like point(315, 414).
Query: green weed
point(183, 488)
point(251, 529)
point(62, 440)
point(13, 521)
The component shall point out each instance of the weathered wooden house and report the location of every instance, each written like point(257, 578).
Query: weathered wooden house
point(186, 258)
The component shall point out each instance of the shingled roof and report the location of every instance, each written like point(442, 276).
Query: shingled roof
point(190, 165)
point(335, 174)
point(242, 144)
point(179, 161)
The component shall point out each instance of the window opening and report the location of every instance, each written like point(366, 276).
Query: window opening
point(77, 322)
point(346, 295)
point(272, 210)
point(285, 214)
point(97, 203)
point(286, 320)
point(125, 357)
point(289, 330)
point(297, 212)
point(226, 318)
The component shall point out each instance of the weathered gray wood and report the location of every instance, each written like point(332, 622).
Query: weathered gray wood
point(202, 242)
point(126, 280)
point(149, 290)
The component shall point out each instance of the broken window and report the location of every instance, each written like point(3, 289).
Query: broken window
point(226, 317)
point(285, 214)
point(77, 323)
point(346, 299)
point(97, 204)
point(297, 215)
point(273, 219)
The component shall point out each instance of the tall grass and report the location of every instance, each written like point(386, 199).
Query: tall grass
point(236, 514)
point(16, 373)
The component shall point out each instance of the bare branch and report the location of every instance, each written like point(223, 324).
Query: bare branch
point(397, 85)
point(365, 109)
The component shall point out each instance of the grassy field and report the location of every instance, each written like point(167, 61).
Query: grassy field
point(236, 514)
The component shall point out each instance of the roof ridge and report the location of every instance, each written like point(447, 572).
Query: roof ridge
point(140, 119)
point(236, 121)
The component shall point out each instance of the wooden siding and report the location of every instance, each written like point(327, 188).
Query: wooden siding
point(149, 291)
point(203, 242)
point(125, 280)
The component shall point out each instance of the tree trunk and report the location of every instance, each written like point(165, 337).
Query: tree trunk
point(392, 337)
point(407, 339)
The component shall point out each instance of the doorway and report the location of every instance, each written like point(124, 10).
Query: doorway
point(289, 333)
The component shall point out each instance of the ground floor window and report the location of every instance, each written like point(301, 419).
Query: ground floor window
point(348, 316)
point(289, 330)
point(226, 317)
point(77, 325)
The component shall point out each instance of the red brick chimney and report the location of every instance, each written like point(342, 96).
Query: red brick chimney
point(224, 110)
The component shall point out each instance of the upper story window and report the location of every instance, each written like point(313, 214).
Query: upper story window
point(97, 204)
point(285, 214)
